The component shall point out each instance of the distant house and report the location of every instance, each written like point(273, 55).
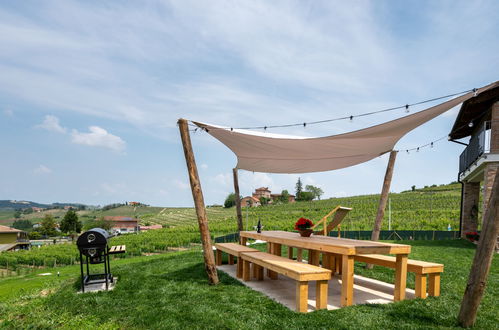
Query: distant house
point(250, 201)
point(262, 192)
point(13, 239)
point(152, 227)
point(275, 197)
point(37, 209)
point(68, 207)
point(123, 225)
point(134, 203)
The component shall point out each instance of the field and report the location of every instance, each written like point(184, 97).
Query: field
point(433, 208)
point(171, 291)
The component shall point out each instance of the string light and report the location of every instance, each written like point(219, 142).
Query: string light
point(406, 107)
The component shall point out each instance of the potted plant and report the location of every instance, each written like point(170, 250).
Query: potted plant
point(473, 236)
point(304, 227)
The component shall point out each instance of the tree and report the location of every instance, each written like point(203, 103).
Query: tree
point(306, 196)
point(22, 224)
point(264, 201)
point(230, 201)
point(17, 214)
point(98, 223)
point(70, 222)
point(299, 189)
point(284, 198)
point(413, 188)
point(316, 191)
point(48, 225)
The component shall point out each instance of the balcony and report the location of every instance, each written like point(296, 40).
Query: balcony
point(479, 145)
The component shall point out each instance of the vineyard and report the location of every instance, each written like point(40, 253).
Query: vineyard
point(424, 209)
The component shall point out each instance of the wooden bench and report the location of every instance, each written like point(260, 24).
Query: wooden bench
point(298, 271)
point(233, 250)
point(420, 268)
point(115, 249)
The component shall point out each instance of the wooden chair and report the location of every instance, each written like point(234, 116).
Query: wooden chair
point(339, 214)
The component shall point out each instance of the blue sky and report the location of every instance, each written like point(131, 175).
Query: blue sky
point(90, 91)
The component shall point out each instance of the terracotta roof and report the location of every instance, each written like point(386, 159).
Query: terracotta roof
point(5, 229)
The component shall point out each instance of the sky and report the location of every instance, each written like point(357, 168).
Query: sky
point(91, 91)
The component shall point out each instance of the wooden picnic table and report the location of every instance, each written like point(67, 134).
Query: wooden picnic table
point(347, 248)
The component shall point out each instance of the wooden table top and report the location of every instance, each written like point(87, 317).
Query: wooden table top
point(328, 244)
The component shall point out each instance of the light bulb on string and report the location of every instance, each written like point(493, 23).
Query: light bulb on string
point(407, 108)
point(470, 124)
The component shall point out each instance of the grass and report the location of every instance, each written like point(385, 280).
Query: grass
point(171, 291)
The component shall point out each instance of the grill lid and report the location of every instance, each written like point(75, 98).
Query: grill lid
point(95, 237)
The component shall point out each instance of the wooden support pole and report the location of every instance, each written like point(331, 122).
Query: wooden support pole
point(238, 201)
point(384, 196)
point(197, 194)
point(480, 268)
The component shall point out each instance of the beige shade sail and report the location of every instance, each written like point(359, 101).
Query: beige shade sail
point(275, 153)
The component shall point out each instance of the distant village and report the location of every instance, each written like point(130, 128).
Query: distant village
point(264, 194)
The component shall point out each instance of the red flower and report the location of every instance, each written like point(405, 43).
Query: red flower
point(472, 236)
point(303, 223)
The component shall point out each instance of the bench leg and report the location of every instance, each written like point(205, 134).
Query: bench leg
point(434, 285)
point(246, 270)
point(301, 297)
point(299, 254)
point(239, 267)
point(321, 294)
point(218, 257)
point(290, 252)
point(231, 259)
point(243, 240)
point(347, 280)
point(420, 286)
point(254, 269)
point(400, 277)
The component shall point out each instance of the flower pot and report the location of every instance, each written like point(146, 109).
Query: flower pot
point(305, 232)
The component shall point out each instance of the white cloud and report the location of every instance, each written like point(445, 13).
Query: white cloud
point(222, 180)
point(51, 123)
point(8, 112)
point(204, 166)
point(42, 169)
point(181, 185)
point(98, 137)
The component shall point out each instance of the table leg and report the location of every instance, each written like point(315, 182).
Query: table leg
point(269, 250)
point(246, 270)
point(290, 252)
point(347, 280)
point(400, 277)
point(276, 250)
point(299, 254)
point(313, 257)
point(243, 240)
point(218, 257)
point(239, 265)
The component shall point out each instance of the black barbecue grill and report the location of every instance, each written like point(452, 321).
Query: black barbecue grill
point(93, 245)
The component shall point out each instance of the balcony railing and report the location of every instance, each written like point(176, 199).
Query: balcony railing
point(479, 144)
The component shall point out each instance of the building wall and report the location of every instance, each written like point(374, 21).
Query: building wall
point(6, 238)
point(471, 198)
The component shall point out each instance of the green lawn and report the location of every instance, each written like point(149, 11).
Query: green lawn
point(171, 291)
